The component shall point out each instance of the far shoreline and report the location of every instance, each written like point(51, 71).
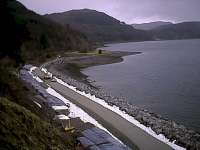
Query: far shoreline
point(118, 42)
point(72, 64)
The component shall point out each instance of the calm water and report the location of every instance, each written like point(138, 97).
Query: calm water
point(164, 79)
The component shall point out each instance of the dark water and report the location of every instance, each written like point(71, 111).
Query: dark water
point(164, 79)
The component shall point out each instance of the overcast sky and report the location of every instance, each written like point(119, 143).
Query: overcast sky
point(130, 11)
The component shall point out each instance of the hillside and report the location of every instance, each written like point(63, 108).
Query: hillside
point(33, 35)
point(98, 26)
point(150, 25)
point(27, 37)
point(19, 121)
point(185, 30)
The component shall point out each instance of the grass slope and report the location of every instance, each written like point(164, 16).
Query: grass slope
point(21, 129)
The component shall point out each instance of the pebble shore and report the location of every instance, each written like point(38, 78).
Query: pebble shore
point(175, 132)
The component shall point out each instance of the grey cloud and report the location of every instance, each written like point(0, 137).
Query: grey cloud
point(130, 11)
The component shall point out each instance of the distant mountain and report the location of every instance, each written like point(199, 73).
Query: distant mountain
point(27, 35)
point(150, 25)
point(98, 26)
point(184, 30)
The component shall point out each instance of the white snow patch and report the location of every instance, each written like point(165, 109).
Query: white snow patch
point(123, 114)
point(60, 107)
point(63, 117)
point(76, 111)
point(32, 68)
point(35, 77)
point(44, 70)
point(37, 104)
point(48, 73)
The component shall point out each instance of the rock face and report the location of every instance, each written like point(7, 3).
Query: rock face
point(174, 132)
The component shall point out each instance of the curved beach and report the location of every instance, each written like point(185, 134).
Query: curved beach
point(153, 123)
point(68, 69)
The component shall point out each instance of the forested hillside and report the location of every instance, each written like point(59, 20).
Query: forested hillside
point(184, 30)
point(150, 25)
point(98, 26)
point(27, 35)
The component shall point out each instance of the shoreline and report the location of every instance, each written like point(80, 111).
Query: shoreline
point(71, 64)
point(173, 131)
point(65, 111)
point(118, 122)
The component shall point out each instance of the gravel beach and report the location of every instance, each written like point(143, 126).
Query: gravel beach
point(128, 130)
point(173, 131)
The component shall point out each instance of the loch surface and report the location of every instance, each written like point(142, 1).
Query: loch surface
point(164, 79)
